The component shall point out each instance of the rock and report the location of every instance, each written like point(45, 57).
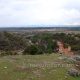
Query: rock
point(74, 73)
point(77, 58)
point(5, 67)
point(71, 60)
point(66, 77)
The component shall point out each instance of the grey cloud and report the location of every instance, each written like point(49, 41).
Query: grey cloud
point(25, 12)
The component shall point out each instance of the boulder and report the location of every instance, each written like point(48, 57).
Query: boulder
point(74, 73)
point(77, 58)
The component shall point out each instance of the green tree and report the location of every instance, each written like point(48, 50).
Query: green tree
point(32, 49)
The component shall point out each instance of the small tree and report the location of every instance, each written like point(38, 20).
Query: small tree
point(32, 49)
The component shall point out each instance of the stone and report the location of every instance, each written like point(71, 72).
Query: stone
point(77, 58)
point(74, 73)
point(5, 67)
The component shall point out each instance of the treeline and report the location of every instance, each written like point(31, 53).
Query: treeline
point(41, 43)
point(72, 40)
point(10, 41)
point(47, 42)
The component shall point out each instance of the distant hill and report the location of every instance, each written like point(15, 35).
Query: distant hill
point(39, 28)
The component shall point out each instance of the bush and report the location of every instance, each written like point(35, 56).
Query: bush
point(32, 49)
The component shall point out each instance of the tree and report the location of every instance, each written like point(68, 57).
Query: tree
point(32, 49)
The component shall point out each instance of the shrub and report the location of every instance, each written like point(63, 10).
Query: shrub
point(32, 49)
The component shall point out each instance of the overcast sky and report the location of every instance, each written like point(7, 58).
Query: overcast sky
point(39, 12)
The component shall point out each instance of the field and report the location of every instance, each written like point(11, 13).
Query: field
point(35, 67)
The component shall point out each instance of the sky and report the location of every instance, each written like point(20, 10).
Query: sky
point(39, 12)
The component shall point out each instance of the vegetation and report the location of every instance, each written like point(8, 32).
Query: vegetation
point(38, 43)
point(33, 50)
point(38, 67)
point(18, 68)
point(10, 41)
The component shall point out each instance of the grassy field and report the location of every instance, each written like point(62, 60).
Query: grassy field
point(36, 67)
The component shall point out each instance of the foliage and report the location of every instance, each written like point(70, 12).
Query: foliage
point(32, 49)
point(38, 43)
point(10, 41)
